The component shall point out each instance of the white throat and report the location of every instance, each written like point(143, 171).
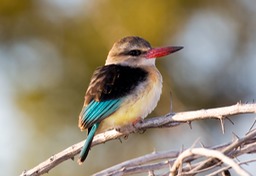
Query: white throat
point(135, 62)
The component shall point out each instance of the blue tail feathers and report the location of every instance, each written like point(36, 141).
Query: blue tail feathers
point(87, 145)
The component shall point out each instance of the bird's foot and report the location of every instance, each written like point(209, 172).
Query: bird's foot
point(132, 127)
point(137, 121)
point(135, 125)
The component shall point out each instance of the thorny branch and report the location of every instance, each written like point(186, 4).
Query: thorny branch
point(169, 120)
point(167, 159)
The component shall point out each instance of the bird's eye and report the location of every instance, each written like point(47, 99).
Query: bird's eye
point(134, 53)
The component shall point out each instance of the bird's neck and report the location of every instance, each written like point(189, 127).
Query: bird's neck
point(132, 63)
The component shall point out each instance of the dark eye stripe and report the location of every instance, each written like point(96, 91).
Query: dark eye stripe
point(134, 53)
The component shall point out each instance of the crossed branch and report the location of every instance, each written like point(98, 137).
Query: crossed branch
point(173, 160)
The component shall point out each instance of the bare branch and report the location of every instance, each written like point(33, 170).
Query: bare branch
point(228, 150)
point(216, 112)
point(222, 125)
point(169, 120)
point(207, 153)
point(228, 167)
point(127, 166)
point(151, 161)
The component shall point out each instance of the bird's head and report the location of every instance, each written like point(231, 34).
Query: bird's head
point(135, 51)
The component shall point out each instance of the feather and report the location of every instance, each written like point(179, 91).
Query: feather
point(96, 111)
point(109, 86)
point(87, 145)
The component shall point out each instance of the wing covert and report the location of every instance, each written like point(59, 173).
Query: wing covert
point(108, 86)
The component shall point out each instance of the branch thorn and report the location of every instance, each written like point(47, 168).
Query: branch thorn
point(230, 121)
point(189, 124)
point(202, 145)
point(235, 137)
point(222, 125)
point(252, 126)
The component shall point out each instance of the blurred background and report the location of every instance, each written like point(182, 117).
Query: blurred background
point(50, 48)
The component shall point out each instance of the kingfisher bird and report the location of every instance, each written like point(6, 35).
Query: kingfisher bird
point(123, 91)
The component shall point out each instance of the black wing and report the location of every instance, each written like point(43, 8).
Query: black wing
point(107, 87)
point(113, 82)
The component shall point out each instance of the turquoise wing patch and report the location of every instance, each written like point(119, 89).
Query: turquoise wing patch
point(96, 111)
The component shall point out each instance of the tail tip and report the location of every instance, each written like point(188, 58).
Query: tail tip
point(79, 161)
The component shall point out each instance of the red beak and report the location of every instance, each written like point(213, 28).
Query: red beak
point(160, 52)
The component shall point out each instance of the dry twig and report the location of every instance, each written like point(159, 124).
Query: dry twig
point(170, 120)
point(151, 161)
point(208, 153)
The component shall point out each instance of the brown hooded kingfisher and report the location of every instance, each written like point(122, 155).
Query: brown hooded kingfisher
point(123, 91)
